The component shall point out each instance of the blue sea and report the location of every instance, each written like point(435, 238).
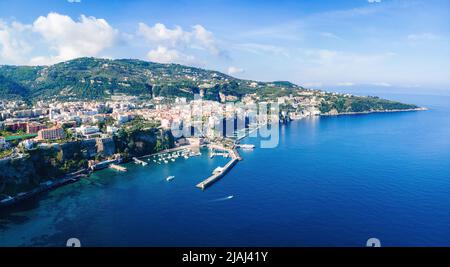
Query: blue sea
point(331, 181)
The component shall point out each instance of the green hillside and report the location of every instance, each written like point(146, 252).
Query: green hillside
point(93, 78)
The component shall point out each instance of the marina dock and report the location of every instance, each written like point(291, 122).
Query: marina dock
point(170, 150)
point(138, 161)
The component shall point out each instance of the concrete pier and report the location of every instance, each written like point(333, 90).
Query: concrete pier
point(235, 157)
point(213, 178)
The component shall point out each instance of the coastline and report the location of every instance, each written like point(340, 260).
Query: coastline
point(76, 176)
point(44, 187)
point(376, 111)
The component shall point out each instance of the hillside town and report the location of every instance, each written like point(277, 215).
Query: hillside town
point(24, 127)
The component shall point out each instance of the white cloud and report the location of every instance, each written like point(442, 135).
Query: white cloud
point(163, 54)
point(160, 34)
point(71, 39)
point(206, 39)
point(234, 70)
point(14, 44)
point(176, 39)
point(373, 1)
point(74, 1)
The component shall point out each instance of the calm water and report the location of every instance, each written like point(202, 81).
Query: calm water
point(333, 181)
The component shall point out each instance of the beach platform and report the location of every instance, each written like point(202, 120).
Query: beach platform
point(118, 167)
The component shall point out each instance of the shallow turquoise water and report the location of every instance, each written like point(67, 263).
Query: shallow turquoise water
point(334, 181)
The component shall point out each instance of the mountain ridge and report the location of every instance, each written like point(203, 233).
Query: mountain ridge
point(97, 78)
point(100, 79)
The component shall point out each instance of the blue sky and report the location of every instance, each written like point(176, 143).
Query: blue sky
point(320, 44)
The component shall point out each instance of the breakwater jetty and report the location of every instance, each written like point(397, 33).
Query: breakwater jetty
point(220, 172)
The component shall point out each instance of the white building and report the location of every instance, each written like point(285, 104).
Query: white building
point(122, 118)
point(88, 131)
point(111, 129)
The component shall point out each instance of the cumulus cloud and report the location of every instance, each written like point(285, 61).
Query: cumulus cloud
point(205, 39)
point(71, 39)
point(234, 70)
point(173, 43)
point(14, 44)
point(160, 34)
point(163, 54)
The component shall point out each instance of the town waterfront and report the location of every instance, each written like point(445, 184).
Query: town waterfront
point(331, 181)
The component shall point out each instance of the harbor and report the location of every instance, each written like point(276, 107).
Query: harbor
point(162, 157)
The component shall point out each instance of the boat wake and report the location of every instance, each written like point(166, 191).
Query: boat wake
point(223, 198)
